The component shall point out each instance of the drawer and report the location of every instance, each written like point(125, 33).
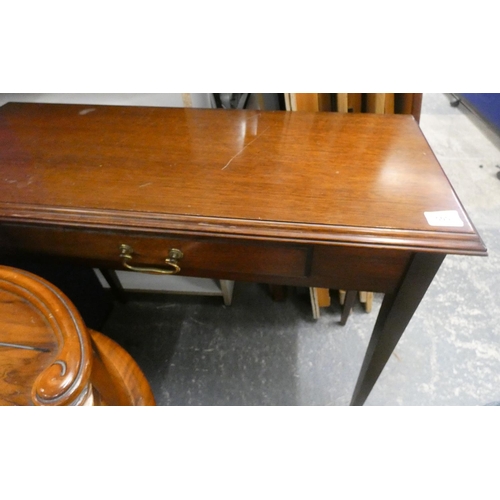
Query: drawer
point(209, 257)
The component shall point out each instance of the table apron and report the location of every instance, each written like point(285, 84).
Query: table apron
point(318, 265)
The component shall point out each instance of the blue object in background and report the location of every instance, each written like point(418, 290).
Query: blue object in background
point(485, 105)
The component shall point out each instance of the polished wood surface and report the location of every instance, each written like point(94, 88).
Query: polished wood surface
point(45, 353)
point(295, 176)
point(325, 200)
point(116, 378)
point(49, 358)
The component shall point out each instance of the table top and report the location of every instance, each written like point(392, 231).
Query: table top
point(360, 179)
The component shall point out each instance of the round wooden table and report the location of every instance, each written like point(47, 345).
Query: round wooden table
point(49, 358)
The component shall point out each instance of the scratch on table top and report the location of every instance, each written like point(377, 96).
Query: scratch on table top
point(146, 184)
point(243, 149)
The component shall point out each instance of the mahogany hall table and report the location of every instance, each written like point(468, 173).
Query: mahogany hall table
point(342, 201)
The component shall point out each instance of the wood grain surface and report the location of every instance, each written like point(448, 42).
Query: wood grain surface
point(317, 199)
point(49, 358)
point(356, 178)
point(116, 377)
point(45, 356)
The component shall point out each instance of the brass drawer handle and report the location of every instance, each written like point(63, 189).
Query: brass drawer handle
point(174, 255)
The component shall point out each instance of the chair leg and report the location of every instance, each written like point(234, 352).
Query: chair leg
point(369, 302)
point(227, 288)
point(114, 284)
point(366, 298)
point(350, 298)
point(313, 293)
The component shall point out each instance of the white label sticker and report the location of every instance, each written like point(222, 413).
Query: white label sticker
point(444, 218)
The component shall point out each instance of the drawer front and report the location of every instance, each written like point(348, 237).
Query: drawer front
point(201, 256)
point(356, 268)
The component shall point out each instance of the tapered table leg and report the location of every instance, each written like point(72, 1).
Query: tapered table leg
point(395, 313)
